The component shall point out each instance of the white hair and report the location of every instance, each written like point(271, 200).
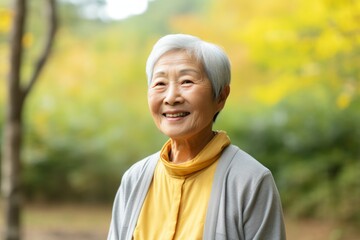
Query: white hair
point(213, 59)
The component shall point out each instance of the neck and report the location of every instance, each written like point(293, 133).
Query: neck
point(183, 150)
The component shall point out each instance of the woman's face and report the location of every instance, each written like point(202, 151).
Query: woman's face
point(180, 97)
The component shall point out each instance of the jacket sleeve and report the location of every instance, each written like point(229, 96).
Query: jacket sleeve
point(263, 216)
point(118, 212)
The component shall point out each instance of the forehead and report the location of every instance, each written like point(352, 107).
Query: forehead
point(178, 59)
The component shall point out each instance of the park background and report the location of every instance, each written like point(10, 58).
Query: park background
point(294, 105)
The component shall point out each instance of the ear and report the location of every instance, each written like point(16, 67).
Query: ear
point(223, 96)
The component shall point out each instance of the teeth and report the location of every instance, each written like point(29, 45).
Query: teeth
point(174, 115)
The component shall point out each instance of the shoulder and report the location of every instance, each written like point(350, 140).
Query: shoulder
point(244, 163)
point(244, 169)
point(248, 176)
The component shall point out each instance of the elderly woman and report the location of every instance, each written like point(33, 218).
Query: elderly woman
point(199, 185)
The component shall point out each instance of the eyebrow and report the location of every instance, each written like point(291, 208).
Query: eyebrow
point(159, 74)
point(186, 71)
point(162, 73)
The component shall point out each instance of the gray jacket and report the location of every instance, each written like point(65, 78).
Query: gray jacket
point(244, 201)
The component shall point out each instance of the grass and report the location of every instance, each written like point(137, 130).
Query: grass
point(91, 222)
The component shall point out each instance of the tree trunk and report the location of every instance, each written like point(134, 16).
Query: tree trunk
point(16, 95)
point(11, 164)
point(11, 178)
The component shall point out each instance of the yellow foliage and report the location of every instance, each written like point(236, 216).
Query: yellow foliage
point(5, 20)
point(345, 97)
point(274, 91)
point(28, 40)
point(343, 100)
point(312, 13)
point(192, 24)
point(346, 18)
point(271, 93)
point(330, 43)
point(40, 121)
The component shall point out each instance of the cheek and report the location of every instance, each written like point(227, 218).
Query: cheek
point(150, 99)
point(203, 113)
point(153, 103)
point(151, 107)
point(209, 111)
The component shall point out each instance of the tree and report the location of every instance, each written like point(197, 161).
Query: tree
point(13, 125)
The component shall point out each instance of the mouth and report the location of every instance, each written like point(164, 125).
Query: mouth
point(176, 115)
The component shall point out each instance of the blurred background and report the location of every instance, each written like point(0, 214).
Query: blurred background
point(294, 105)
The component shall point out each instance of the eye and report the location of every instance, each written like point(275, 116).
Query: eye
point(158, 83)
point(187, 81)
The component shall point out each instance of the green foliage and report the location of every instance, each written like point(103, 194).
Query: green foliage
point(76, 175)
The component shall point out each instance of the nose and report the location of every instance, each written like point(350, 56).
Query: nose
point(173, 95)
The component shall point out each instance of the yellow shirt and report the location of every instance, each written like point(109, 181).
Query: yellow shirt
point(176, 203)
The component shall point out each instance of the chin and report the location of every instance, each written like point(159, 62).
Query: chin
point(176, 134)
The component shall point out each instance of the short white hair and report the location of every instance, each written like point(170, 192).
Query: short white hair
point(214, 60)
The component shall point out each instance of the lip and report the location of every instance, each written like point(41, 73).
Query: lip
point(175, 114)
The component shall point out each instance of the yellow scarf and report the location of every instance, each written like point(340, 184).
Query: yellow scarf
point(205, 158)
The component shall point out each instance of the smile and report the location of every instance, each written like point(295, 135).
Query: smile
point(176, 115)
